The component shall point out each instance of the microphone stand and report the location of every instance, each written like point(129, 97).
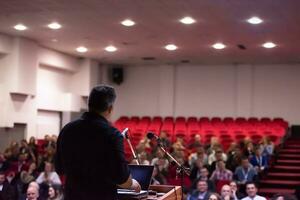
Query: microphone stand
point(135, 157)
point(181, 170)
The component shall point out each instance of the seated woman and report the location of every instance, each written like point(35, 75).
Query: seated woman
point(55, 193)
point(46, 178)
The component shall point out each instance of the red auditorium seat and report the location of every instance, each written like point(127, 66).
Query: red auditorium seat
point(180, 119)
point(135, 119)
point(124, 118)
point(204, 120)
point(253, 120)
point(240, 120)
point(157, 119)
point(168, 119)
point(265, 120)
point(216, 120)
point(228, 120)
point(256, 138)
point(192, 120)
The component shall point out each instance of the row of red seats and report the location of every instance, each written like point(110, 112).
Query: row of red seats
point(227, 128)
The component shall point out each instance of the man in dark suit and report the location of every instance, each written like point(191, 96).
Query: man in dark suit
point(90, 152)
point(201, 193)
point(6, 190)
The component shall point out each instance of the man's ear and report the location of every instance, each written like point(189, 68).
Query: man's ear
point(110, 109)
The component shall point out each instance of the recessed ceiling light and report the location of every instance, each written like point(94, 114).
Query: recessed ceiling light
point(54, 25)
point(254, 20)
point(20, 27)
point(187, 20)
point(219, 46)
point(54, 40)
point(171, 47)
point(269, 45)
point(111, 48)
point(81, 49)
point(128, 22)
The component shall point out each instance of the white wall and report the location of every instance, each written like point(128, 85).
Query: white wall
point(34, 78)
point(215, 90)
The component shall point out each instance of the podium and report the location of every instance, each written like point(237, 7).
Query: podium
point(171, 192)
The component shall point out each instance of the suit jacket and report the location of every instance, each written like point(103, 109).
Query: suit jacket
point(262, 163)
point(90, 154)
point(7, 192)
point(195, 194)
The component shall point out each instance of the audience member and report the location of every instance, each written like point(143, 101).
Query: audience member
point(55, 193)
point(161, 162)
point(226, 193)
point(245, 172)
point(32, 193)
point(204, 176)
point(251, 190)
point(234, 159)
point(217, 155)
point(236, 194)
point(221, 173)
point(48, 176)
point(199, 154)
point(284, 197)
point(258, 161)
point(6, 190)
point(196, 142)
point(201, 193)
point(4, 164)
point(214, 196)
point(267, 147)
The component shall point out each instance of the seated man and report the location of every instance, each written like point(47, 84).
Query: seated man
point(32, 193)
point(221, 173)
point(258, 161)
point(251, 190)
point(6, 190)
point(245, 172)
point(201, 193)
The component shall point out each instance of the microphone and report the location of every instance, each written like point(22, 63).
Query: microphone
point(124, 133)
point(151, 135)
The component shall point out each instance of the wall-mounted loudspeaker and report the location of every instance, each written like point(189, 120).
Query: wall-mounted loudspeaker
point(117, 74)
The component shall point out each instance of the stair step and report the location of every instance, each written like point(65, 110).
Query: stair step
point(283, 168)
point(296, 156)
point(288, 161)
point(290, 146)
point(291, 151)
point(271, 191)
point(280, 182)
point(283, 176)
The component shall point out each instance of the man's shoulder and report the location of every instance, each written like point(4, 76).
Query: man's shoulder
point(258, 197)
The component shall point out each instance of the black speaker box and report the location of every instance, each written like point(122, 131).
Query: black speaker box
point(117, 75)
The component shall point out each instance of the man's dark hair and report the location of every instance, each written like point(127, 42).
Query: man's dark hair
point(2, 173)
point(101, 98)
point(245, 158)
point(250, 183)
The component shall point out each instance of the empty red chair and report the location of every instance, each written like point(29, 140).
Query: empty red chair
point(204, 120)
point(192, 120)
point(240, 120)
